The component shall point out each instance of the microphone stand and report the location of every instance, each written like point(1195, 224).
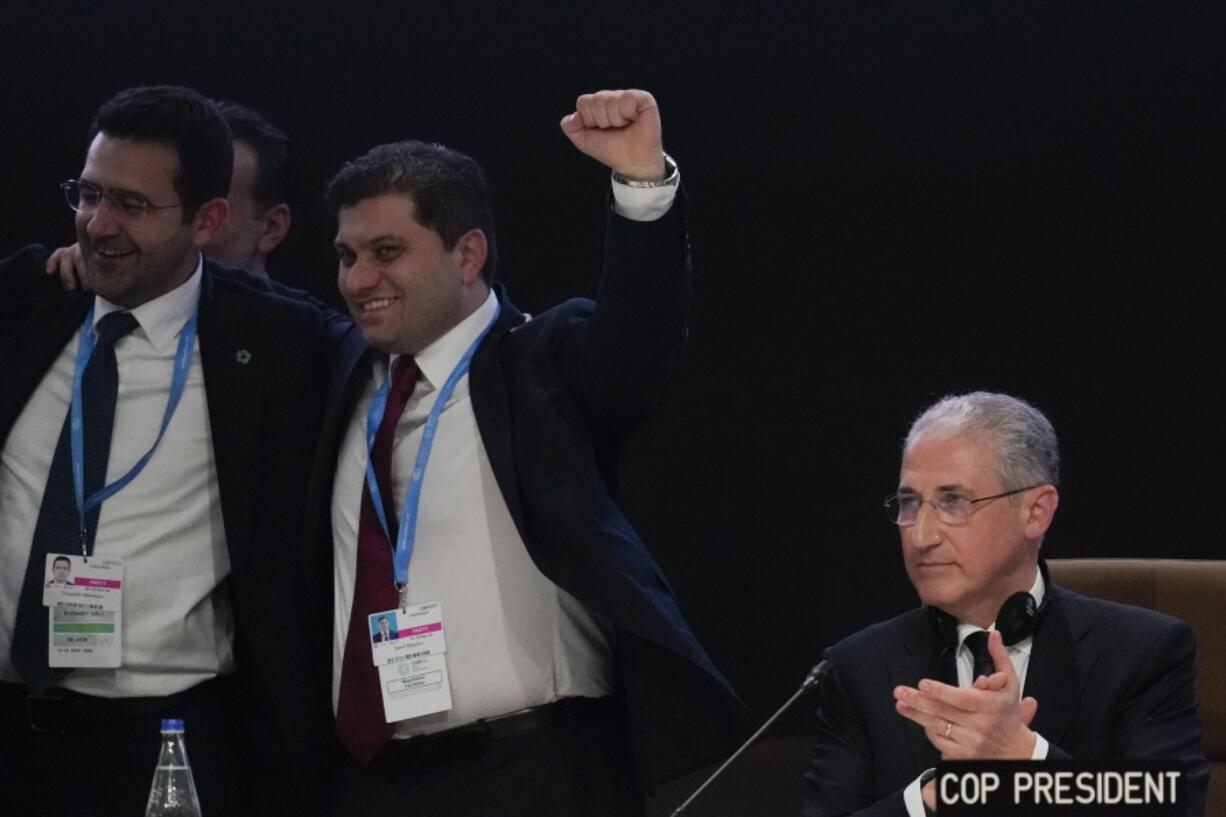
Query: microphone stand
point(813, 679)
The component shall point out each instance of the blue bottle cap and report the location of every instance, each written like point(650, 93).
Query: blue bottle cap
point(172, 724)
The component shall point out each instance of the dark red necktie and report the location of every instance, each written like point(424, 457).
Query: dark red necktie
point(360, 723)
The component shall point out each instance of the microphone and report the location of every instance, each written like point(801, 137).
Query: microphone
point(812, 680)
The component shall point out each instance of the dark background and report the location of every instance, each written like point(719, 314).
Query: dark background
point(892, 200)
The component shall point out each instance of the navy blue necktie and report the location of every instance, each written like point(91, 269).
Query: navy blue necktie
point(58, 529)
point(977, 643)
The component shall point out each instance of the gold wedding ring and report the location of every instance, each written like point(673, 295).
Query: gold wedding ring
point(949, 725)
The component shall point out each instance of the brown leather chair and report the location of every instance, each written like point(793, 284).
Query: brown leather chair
point(1192, 590)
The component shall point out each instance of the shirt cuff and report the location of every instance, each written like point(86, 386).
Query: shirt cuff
point(1040, 748)
point(912, 797)
point(644, 203)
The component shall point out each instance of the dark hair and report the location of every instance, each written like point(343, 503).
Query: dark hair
point(184, 120)
point(59, 559)
point(448, 189)
point(275, 179)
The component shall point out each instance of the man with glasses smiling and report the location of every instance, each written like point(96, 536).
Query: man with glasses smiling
point(998, 663)
point(262, 191)
point(161, 421)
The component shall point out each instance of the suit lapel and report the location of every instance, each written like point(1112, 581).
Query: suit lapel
point(234, 357)
point(487, 388)
point(1058, 668)
point(351, 371)
point(350, 375)
point(924, 657)
point(46, 329)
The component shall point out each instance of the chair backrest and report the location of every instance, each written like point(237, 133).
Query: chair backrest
point(1192, 590)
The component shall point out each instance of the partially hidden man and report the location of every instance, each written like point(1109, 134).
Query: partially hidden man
point(999, 663)
point(157, 429)
point(541, 665)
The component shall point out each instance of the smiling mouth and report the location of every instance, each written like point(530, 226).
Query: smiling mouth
point(376, 303)
point(106, 253)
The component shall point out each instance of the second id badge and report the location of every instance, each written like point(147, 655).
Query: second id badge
point(84, 599)
point(410, 650)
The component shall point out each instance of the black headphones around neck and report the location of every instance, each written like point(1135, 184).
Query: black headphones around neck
point(1017, 620)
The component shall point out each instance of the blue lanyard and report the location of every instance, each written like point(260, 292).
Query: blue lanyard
point(407, 534)
point(85, 350)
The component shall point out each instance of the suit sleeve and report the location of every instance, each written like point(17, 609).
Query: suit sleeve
point(332, 328)
point(1157, 718)
point(618, 360)
point(840, 782)
point(23, 275)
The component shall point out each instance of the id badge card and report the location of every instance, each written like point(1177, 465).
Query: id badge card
point(84, 601)
point(410, 649)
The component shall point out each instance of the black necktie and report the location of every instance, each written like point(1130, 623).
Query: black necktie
point(58, 529)
point(977, 643)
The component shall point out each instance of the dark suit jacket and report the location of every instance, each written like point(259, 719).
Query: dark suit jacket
point(554, 398)
point(265, 361)
point(1112, 681)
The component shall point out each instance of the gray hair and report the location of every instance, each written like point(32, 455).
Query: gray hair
point(1026, 448)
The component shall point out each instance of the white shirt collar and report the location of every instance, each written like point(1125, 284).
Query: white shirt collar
point(438, 359)
point(161, 319)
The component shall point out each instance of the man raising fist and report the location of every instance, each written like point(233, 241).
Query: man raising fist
point(543, 665)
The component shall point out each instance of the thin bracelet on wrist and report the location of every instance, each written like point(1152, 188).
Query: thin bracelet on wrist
point(670, 176)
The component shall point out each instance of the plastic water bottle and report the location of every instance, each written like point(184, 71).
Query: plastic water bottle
point(173, 793)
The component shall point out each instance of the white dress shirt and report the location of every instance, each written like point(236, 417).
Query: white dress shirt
point(166, 524)
point(1019, 656)
point(514, 639)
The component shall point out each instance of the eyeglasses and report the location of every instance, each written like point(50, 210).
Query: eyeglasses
point(951, 508)
point(84, 197)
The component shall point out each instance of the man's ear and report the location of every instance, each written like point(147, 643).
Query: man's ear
point(274, 226)
point(1040, 511)
point(473, 249)
point(208, 220)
